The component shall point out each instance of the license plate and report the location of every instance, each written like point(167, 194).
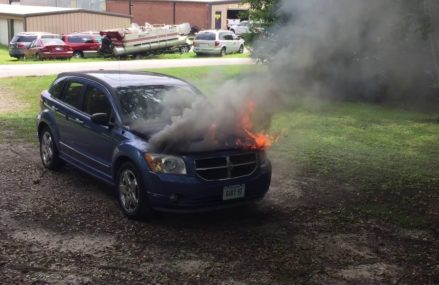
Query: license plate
point(58, 49)
point(233, 192)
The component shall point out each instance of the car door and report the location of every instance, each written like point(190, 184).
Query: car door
point(95, 142)
point(233, 43)
point(68, 117)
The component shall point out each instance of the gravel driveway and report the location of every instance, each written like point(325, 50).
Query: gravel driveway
point(66, 228)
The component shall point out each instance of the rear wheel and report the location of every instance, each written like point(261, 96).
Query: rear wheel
point(184, 49)
point(223, 51)
point(78, 54)
point(131, 192)
point(48, 151)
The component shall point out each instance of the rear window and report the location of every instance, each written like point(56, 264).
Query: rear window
point(206, 37)
point(52, 42)
point(26, 39)
point(81, 39)
point(56, 89)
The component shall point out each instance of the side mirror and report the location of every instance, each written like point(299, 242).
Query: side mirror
point(100, 119)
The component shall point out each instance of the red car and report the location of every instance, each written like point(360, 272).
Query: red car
point(83, 45)
point(48, 48)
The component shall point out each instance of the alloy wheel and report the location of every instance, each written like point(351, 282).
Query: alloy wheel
point(129, 190)
point(47, 150)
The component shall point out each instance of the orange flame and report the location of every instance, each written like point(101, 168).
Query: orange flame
point(255, 140)
point(251, 139)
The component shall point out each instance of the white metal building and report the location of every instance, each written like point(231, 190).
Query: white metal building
point(23, 18)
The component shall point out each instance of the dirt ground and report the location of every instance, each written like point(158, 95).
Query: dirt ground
point(66, 228)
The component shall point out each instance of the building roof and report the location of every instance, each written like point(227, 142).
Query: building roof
point(26, 11)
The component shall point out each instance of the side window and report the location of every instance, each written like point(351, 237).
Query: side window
point(75, 39)
point(222, 36)
point(96, 102)
point(56, 89)
point(228, 37)
point(73, 94)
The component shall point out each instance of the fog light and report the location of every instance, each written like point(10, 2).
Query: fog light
point(174, 198)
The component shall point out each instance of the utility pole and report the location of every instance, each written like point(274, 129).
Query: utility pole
point(129, 7)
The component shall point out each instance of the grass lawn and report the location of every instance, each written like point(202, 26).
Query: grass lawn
point(365, 145)
point(6, 59)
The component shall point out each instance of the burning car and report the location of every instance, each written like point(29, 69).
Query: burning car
point(91, 121)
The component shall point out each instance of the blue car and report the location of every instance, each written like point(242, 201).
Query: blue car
point(87, 119)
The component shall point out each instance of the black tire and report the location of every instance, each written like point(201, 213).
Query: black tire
point(223, 52)
point(241, 49)
point(78, 54)
point(131, 192)
point(184, 49)
point(48, 151)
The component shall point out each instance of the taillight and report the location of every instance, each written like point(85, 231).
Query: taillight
point(217, 43)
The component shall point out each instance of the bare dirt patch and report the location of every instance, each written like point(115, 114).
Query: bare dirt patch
point(8, 103)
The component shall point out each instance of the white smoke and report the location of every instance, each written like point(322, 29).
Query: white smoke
point(372, 50)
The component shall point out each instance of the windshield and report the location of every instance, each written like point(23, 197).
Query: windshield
point(147, 109)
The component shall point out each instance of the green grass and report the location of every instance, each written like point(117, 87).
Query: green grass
point(6, 59)
point(365, 145)
point(362, 144)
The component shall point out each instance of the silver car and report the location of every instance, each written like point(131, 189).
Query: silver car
point(21, 42)
point(218, 42)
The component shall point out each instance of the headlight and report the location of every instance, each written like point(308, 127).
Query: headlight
point(161, 163)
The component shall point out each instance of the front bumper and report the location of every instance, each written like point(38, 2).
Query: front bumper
point(197, 195)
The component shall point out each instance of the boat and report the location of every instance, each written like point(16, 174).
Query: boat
point(144, 40)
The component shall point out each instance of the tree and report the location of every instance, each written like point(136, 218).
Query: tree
point(263, 11)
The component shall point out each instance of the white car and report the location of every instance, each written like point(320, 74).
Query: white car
point(246, 27)
point(219, 42)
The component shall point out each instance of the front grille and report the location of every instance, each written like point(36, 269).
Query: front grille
point(226, 167)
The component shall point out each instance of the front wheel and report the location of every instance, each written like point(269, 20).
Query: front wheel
point(48, 151)
point(223, 52)
point(131, 192)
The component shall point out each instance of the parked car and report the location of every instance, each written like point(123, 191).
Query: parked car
point(21, 42)
point(48, 48)
point(246, 27)
point(85, 120)
point(219, 42)
point(83, 45)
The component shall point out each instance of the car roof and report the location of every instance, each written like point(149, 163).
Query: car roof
point(115, 79)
